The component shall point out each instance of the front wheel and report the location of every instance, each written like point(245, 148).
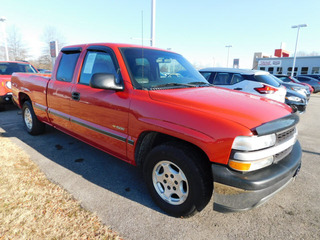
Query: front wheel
point(178, 179)
point(30, 120)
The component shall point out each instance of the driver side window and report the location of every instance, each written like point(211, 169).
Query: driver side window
point(96, 62)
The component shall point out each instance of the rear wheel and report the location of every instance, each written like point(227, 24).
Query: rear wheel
point(30, 120)
point(2, 107)
point(177, 179)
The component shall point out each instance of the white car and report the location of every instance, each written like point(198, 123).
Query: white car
point(251, 81)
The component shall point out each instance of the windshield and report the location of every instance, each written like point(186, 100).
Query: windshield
point(7, 68)
point(151, 69)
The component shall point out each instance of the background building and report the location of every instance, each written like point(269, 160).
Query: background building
point(281, 63)
point(304, 65)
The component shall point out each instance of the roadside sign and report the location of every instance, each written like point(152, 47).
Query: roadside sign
point(236, 63)
point(54, 49)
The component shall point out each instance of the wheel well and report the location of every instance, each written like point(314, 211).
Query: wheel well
point(23, 98)
point(148, 140)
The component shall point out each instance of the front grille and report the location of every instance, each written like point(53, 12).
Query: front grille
point(285, 135)
point(282, 155)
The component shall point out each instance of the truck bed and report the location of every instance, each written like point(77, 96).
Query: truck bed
point(35, 85)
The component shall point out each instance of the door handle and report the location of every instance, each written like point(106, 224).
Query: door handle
point(75, 96)
point(237, 89)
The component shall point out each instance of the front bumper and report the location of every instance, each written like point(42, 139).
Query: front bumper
point(234, 191)
point(299, 107)
point(316, 89)
point(6, 98)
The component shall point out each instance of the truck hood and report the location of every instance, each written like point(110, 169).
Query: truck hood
point(243, 108)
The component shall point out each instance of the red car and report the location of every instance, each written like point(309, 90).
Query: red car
point(286, 78)
point(6, 70)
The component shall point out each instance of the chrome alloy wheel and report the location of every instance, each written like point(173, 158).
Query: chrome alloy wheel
point(170, 182)
point(28, 118)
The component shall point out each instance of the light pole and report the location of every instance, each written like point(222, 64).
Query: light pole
point(228, 46)
point(153, 23)
point(295, 50)
point(3, 19)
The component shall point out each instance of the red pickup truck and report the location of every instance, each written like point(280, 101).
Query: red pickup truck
point(151, 108)
point(6, 70)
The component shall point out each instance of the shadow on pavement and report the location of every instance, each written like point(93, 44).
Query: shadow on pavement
point(315, 153)
point(92, 164)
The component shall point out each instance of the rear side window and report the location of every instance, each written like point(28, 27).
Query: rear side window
point(222, 79)
point(96, 62)
point(303, 79)
point(206, 75)
point(264, 78)
point(67, 65)
point(236, 79)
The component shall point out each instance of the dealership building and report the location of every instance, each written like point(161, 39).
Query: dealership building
point(282, 63)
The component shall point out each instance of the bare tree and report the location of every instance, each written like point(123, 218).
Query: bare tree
point(314, 53)
point(17, 50)
point(301, 54)
point(2, 53)
point(49, 34)
point(304, 54)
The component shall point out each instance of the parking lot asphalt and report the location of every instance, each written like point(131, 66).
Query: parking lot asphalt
point(115, 190)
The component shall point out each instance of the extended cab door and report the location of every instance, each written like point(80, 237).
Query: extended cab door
point(59, 89)
point(99, 116)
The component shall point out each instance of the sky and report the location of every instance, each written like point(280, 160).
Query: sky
point(199, 30)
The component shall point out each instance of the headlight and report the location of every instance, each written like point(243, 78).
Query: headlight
point(8, 84)
point(253, 143)
point(294, 99)
point(246, 143)
point(245, 166)
point(295, 89)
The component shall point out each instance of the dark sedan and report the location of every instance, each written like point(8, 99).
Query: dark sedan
point(296, 101)
point(311, 81)
point(286, 78)
point(296, 97)
point(316, 76)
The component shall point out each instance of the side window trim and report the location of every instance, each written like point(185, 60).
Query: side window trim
point(101, 49)
point(66, 52)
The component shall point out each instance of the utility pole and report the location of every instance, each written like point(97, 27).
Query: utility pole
point(295, 50)
point(228, 46)
point(3, 19)
point(153, 23)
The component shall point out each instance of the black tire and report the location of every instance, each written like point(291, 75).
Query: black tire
point(2, 107)
point(188, 189)
point(30, 120)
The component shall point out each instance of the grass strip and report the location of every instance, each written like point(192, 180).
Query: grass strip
point(32, 207)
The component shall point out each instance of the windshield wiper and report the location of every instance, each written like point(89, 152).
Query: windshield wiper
point(201, 83)
point(173, 85)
